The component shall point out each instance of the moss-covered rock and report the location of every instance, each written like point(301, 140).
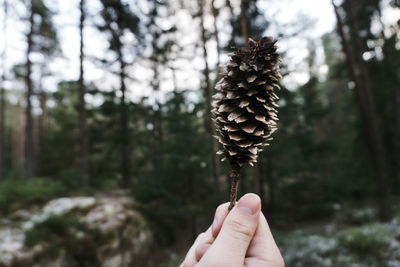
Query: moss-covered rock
point(374, 244)
point(80, 231)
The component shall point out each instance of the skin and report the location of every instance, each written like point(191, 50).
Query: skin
point(239, 238)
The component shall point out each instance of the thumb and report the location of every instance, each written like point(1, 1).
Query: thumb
point(230, 247)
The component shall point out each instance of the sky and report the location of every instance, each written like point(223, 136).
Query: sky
point(289, 13)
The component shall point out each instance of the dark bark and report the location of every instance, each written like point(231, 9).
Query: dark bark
point(207, 98)
point(29, 142)
point(232, 20)
point(214, 12)
point(158, 118)
point(42, 125)
point(268, 172)
point(3, 95)
point(2, 127)
point(83, 158)
point(124, 144)
point(397, 139)
point(358, 72)
point(260, 172)
point(244, 23)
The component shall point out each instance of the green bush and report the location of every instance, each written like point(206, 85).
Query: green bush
point(371, 239)
point(55, 227)
point(15, 193)
point(63, 233)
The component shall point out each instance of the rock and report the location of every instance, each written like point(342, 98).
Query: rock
point(374, 244)
point(58, 207)
point(101, 231)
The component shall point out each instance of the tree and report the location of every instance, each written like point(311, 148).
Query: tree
point(358, 72)
point(83, 157)
point(118, 19)
point(3, 93)
point(207, 92)
point(41, 38)
point(29, 145)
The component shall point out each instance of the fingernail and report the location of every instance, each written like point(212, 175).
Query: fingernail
point(214, 224)
point(249, 204)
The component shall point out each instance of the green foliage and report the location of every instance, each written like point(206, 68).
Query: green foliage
point(117, 18)
point(53, 228)
point(68, 234)
point(15, 193)
point(174, 188)
point(45, 29)
point(369, 240)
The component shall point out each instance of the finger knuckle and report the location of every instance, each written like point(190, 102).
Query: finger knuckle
point(240, 230)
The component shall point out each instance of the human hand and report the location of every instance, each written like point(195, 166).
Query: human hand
point(239, 238)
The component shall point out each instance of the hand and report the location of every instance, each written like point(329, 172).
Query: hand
point(239, 238)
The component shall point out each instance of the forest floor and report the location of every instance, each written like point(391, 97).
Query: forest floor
point(62, 228)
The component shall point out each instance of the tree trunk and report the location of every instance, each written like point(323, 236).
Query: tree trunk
point(2, 127)
point(83, 158)
point(214, 12)
point(260, 175)
point(29, 151)
point(244, 24)
point(270, 182)
point(42, 131)
point(124, 144)
point(158, 118)
point(359, 74)
point(232, 20)
point(3, 93)
point(397, 139)
point(207, 98)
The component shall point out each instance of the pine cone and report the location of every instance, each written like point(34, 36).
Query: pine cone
point(244, 107)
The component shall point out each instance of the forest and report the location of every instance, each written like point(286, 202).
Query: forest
point(107, 155)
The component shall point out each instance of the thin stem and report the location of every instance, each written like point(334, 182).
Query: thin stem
point(234, 176)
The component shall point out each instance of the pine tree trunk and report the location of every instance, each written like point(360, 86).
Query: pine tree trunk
point(214, 12)
point(124, 144)
point(83, 158)
point(158, 119)
point(3, 95)
point(359, 74)
point(207, 98)
point(244, 24)
point(260, 175)
point(42, 131)
point(232, 20)
point(29, 151)
point(2, 129)
point(397, 139)
point(270, 182)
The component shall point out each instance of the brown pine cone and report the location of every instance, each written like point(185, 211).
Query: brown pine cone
point(244, 110)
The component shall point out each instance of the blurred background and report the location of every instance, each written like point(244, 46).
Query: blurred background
point(106, 149)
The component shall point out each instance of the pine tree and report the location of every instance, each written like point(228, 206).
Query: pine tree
point(83, 131)
point(118, 19)
point(29, 145)
point(358, 72)
point(3, 93)
point(41, 38)
point(207, 91)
